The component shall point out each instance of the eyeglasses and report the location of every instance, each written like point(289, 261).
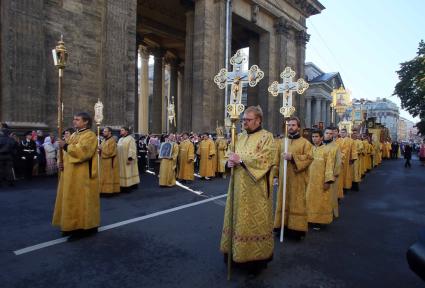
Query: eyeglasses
point(247, 120)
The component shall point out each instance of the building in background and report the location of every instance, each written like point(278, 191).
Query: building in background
point(407, 132)
point(318, 97)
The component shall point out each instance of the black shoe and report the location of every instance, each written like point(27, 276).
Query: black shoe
point(67, 233)
point(82, 233)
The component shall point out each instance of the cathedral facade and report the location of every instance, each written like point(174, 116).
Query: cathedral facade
point(105, 39)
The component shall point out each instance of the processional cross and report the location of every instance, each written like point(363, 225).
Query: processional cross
point(235, 78)
point(286, 88)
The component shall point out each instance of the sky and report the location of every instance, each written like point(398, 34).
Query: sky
point(366, 40)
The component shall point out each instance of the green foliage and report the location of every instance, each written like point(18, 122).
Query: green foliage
point(411, 88)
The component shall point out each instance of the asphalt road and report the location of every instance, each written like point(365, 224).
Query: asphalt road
point(365, 247)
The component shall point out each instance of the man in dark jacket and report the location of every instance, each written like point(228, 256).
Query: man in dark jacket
point(407, 155)
point(7, 146)
point(27, 154)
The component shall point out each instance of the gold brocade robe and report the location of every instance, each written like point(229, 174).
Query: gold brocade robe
point(366, 152)
point(77, 202)
point(206, 151)
point(167, 169)
point(386, 147)
point(375, 149)
point(296, 184)
point(109, 172)
point(335, 153)
point(221, 145)
point(214, 159)
point(129, 173)
point(348, 148)
point(357, 174)
point(321, 171)
point(185, 160)
point(341, 177)
point(379, 146)
point(253, 200)
point(388, 144)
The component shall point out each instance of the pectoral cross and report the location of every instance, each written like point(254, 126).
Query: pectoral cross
point(286, 88)
point(236, 78)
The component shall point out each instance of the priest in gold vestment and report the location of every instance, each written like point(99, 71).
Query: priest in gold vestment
point(77, 207)
point(340, 181)
point(357, 164)
point(253, 193)
point(109, 173)
point(320, 199)
point(328, 140)
point(186, 159)
point(299, 157)
point(127, 158)
point(167, 169)
point(349, 151)
point(221, 145)
point(206, 151)
point(368, 154)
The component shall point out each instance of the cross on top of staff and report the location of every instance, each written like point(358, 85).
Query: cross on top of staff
point(286, 88)
point(236, 78)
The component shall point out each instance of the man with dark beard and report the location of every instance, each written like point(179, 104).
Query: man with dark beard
point(299, 157)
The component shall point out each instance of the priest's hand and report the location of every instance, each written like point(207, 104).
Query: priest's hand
point(61, 143)
point(287, 156)
point(234, 160)
point(326, 186)
point(60, 166)
point(129, 160)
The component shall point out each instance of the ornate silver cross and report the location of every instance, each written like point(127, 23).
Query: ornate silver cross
point(286, 88)
point(236, 78)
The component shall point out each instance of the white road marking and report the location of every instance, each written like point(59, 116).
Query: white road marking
point(187, 188)
point(40, 246)
point(118, 224)
point(181, 185)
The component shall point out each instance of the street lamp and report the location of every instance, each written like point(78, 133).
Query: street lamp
point(60, 59)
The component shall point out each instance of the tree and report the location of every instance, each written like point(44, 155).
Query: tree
point(411, 88)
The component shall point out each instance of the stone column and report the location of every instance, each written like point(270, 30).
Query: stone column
point(165, 95)
point(323, 114)
point(144, 91)
point(308, 112)
point(282, 38)
point(328, 113)
point(180, 90)
point(301, 41)
point(157, 95)
point(186, 109)
point(252, 97)
point(220, 61)
point(265, 50)
point(318, 111)
point(173, 88)
point(205, 41)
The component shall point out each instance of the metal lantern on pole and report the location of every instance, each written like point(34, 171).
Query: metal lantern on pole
point(98, 118)
point(60, 59)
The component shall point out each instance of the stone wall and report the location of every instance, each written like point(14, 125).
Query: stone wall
point(100, 38)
